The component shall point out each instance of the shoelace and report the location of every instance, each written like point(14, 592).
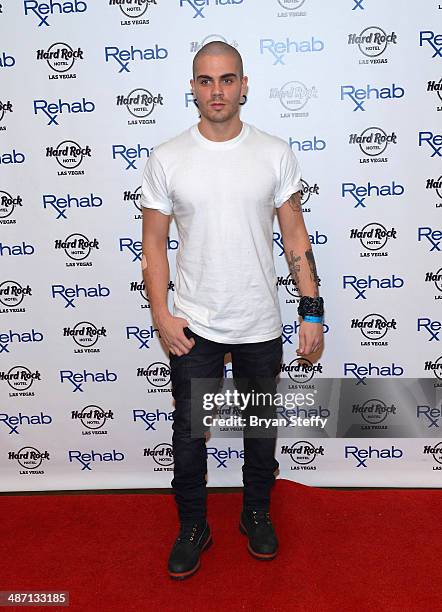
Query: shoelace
point(261, 516)
point(188, 531)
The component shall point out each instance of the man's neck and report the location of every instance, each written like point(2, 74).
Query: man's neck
point(220, 132)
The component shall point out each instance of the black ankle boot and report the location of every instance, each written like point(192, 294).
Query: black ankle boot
point(184, 559)
point(256, 524)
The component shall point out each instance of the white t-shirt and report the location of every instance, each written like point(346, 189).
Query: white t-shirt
point(223, 197)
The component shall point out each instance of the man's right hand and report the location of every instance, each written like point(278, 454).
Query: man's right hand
point(172, 334)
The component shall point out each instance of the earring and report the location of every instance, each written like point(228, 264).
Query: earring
point(245, 100)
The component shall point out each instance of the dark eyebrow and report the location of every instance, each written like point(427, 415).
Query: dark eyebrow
point(223, 76)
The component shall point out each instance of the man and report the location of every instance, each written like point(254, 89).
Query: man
point(222, 179)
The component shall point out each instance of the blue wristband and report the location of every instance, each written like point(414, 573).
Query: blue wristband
point(312, 319)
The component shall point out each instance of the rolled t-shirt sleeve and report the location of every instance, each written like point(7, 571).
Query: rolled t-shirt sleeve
point(154, 192)
point(289, 177)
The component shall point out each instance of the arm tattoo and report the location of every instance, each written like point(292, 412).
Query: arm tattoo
point(294, 266)
point(295, 202)
point(312, 266)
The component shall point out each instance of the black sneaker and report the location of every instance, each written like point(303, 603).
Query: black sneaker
point(184, 559)
point(256, 524)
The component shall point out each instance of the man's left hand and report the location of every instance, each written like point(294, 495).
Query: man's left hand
point(311, 337)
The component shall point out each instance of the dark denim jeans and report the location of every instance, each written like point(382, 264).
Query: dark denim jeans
point(251, 362)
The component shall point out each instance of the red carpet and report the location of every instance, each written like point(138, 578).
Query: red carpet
point(339, 550)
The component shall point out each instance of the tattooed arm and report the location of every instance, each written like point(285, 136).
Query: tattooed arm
point(297, 246)
point(298, 250)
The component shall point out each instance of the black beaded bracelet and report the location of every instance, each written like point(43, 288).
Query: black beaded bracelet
point(311, 306)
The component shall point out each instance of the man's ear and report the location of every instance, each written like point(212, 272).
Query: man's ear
point(244, 84)
point(192, 84)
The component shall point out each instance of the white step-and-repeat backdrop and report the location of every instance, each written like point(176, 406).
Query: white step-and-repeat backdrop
point(87, 89)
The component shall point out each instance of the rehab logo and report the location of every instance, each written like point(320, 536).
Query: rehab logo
point(13, 337)
point(373, 142)
point(134, 247)
point(16, 250)
point(309, 144)
point(360, 372)
point(289, 330)
point(434, 142)
point(373, 237)
point(62, 204)
point(53, 109)
point(430, 326)
point(317, 238)
point(360, 193)
point(134, 11)
point(78, 379)
point(362, 284)
point(151, 419)
point(69, 294)
point(435, 185)
point(372, 42)
point(12, 295)
point(88, 460)
point(224, 456)
point(362, 455)
point(123, 57)
point(60, 57)
point(279, 49)
point(78, 249)
point(42, 11)
point(7, 207)
point(140, 104)
point(5, 111)
point(359, 96)
point(12, 422)
point(142, 337)
point(198, 6)
point(14, 157)
point(434, 237)
point(130, 154)
point(430, 416)
point(293, 97)
point(69, 155)
point(374, 327)
point(6, 60)
point(434, 41)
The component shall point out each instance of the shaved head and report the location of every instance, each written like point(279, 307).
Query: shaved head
point(218, 47)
